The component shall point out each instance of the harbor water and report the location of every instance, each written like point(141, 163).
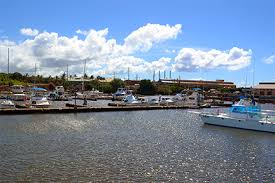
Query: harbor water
point(138, 146)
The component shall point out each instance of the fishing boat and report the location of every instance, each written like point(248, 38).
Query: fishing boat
point(128, 100)
point(7, 104)
point(190, 99)
point(39, 98)
point(121, 93)
point(245, 114)
point(166, 101)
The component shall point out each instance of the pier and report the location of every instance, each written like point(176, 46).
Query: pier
point(84, 109)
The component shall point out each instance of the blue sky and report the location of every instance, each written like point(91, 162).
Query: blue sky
point(206, 25)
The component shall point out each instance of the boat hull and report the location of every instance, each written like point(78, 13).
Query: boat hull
point(247, 124)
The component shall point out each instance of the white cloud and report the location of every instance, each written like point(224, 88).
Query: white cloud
point(143, 38)
point(83, 32)
point(270, 60)
point(52, 52)
point(189, 59)
point(29, 32)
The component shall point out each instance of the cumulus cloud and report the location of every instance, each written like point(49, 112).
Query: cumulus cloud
point(52, 52)
point(189, 59)
point(29, 32)
point(270, 60)
point(144, 37)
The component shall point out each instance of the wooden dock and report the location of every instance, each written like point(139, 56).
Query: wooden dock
point(84, 109)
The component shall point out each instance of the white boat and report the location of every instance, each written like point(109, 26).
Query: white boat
point(7, 104)
point(165, 100)
point(120, 93)
point(39, 98)
point(150, 100)
point(191, 99)
point(131, 99)
point(245, 115)
point(17, 89)
point(19, 97)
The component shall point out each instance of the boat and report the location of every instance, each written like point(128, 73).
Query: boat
point(19, 97)
point(39, 98)
point(17, 89)
point(150, 100)
point(166, 101)
point(190, 99)
point(120, 93)
point(128, 100)
point(131, 99)
point(7, 104)
point(245, 114)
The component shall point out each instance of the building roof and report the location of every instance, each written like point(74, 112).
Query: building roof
point(265, 86)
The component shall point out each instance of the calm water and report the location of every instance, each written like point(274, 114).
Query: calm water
point(141, 146)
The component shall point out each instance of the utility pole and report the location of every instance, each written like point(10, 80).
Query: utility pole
point(67, 72)
point(84, 71)
point(34, 74)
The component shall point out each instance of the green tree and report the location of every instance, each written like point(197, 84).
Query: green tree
point(146, 87)
point(117, 83)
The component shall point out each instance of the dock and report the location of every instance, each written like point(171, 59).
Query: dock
point(22, 111)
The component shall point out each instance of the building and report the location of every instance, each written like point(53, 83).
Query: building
point(265, 92)
point(206, 85)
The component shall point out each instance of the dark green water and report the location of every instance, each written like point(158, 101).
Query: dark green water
point(142, 146)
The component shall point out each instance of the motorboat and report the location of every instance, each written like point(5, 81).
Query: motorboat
point(130, 99)
point(245, 114)
point(150, 100)
point(19, 97)
point(39, 98)
point(166, 100)
point(7, 104)
point(191, 99)
point(121, 93)
point(17, 89)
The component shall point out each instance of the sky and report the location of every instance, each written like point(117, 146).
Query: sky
point(216, 39)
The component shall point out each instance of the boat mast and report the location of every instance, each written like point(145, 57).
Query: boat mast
point(84, 70)
point(34, 74)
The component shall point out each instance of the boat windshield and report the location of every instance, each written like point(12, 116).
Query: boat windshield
point(245, 109)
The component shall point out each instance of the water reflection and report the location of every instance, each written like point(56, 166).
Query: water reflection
point(144, 146)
